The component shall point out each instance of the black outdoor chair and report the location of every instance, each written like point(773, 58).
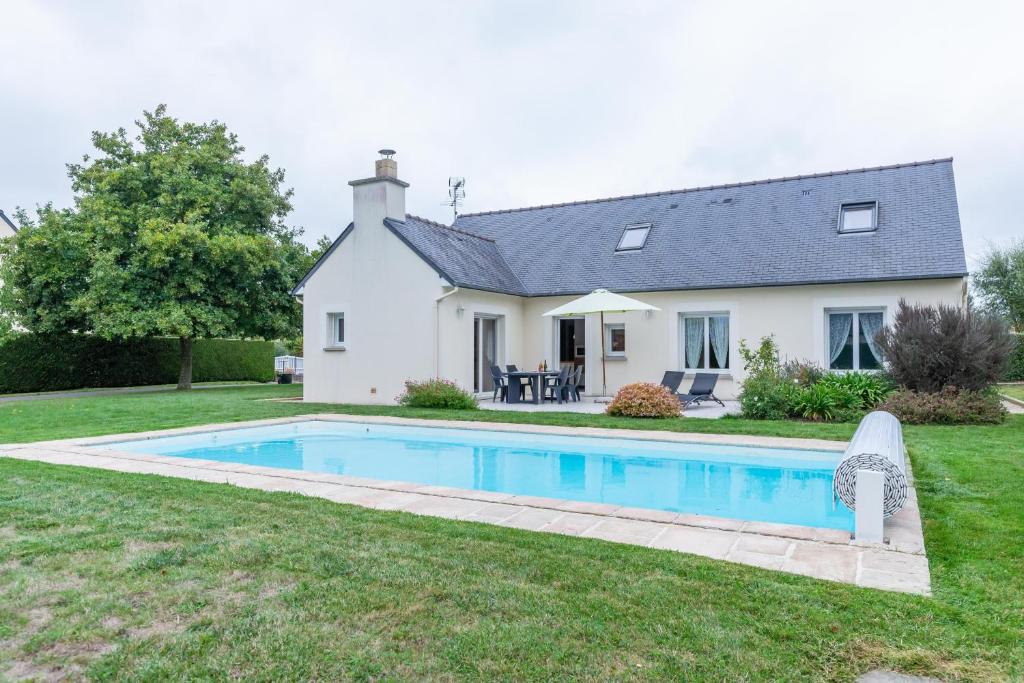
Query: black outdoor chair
point(499, 384)
point(522, 381)
point(672, 380)
point(557, 388)
point(701, 390)
point(575, 377)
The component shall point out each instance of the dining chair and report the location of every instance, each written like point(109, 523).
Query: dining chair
point(499, 384)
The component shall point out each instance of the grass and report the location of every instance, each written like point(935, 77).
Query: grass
point(111, 575)
point(1013, 390)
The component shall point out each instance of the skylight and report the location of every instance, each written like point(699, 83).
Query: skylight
point(859, 217)
point(633, 237)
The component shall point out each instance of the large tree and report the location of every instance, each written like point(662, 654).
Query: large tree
point(999, 283)
point(172, 233)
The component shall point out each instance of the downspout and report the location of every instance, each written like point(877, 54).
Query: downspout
point(437, 330)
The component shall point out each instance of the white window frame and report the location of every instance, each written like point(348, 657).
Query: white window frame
point(856, 336)
point(608, 327)
point(626, 231)
point(854, 206)
point(331, 340)
point(707, 341)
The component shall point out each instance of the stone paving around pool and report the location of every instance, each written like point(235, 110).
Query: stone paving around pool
point(899, 564)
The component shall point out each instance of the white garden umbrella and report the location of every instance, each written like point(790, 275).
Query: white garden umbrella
point(601, 301)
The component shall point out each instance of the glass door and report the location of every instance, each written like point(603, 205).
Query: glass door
point(485, 352)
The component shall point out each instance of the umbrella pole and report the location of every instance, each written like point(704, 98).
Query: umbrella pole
point(604, 370)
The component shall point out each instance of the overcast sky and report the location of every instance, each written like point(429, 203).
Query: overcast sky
point(533, 102)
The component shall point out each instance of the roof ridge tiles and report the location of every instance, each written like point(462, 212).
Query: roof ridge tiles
point(704, 188)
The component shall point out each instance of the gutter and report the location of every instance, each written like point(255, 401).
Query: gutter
point(437, 330)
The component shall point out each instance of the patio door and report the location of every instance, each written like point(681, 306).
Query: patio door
point(485, 352)
point(571, 344)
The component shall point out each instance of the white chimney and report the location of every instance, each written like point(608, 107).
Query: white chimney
point(379, 197)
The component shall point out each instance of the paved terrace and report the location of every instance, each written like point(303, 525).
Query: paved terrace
point(898, 565)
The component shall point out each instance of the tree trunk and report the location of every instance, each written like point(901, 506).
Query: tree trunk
point(185, 374)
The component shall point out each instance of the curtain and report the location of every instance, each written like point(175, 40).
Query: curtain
point(694, 341)
point(718, 331)
point(839, 326)
point(870, 324)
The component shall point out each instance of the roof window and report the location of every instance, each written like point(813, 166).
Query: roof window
point(634, 237)
point(859, 217)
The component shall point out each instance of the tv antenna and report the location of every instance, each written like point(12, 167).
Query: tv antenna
point(456, 193)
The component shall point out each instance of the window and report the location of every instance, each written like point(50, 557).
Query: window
point(851, 339)
point(704, 341)
point(862, 217)
point(615, 340)
point(335, 330)
point(633, 237)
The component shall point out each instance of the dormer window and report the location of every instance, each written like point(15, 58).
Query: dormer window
point(859, 217)
point(634, 237)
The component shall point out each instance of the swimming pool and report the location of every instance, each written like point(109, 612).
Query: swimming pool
point(761, 484)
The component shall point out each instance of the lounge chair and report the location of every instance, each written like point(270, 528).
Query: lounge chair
point(672, 380)
point(701, 390)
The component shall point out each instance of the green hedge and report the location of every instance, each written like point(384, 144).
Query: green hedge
point(1016, 371)
point(31, 362)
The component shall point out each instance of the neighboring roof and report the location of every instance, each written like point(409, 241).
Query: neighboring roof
point(462, 258)
point(8, 221)
point(764, 233)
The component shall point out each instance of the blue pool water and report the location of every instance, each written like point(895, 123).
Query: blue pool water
point(762, 484)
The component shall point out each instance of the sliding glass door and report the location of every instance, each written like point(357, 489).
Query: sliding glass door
point(485, 351)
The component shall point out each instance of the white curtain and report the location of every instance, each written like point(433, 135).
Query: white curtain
point(870, 324)
point(694, 341)
point(839, 326)
point(718, 332)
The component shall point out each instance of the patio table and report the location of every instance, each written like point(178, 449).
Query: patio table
point(536, 379)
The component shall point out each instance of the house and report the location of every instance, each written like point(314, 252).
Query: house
point(7, 226)
point(819, 261)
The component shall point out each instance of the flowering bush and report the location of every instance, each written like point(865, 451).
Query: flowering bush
point(768, 398)
point(436, 393)
point(949, 406)
point(644, 399)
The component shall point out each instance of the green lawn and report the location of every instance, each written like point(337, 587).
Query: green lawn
point(140, 577)
point(1013, 390)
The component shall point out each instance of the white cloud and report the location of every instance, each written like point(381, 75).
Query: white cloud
point(534, 102)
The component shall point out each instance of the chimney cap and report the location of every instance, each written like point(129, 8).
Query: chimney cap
point(386, 153)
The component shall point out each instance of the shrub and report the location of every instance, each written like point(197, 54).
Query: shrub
point(1015, 368)
point(30, 362)
point(767, 398)
point(949, 406)
point(802, 372)
point(762, 361)
point(825, 402)
point(869, 389)
point(930, 347)
point(644, 399)
point(436, 393)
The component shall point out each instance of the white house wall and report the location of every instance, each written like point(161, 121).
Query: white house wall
point(795, 315)
point(456, 347)
point(387, 294)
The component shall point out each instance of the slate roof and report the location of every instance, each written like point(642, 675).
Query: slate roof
point(8, 221)
point(776, 232)
point(765, 233)
point(462, 258)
